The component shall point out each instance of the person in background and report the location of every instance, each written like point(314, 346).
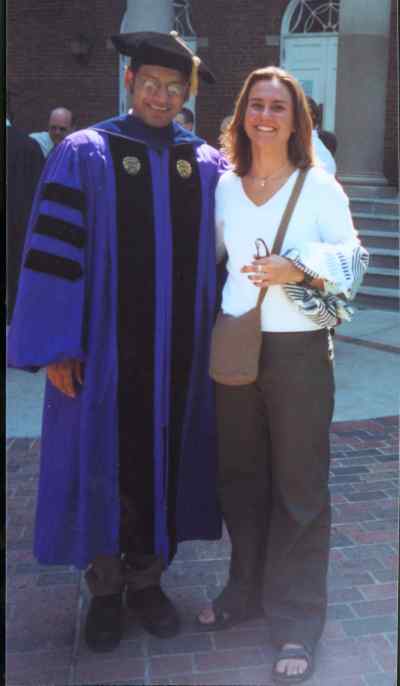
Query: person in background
point(185, 118)
point(24, 163)
point(224, 125)
point(329, 139)
point(61, 123)
point(323, 154)
point(117, 300)
point(273, 434)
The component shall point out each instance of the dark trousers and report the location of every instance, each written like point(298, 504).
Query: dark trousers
point(110, 574)
point(273, 484)
point(133, 569)
point(136, 567)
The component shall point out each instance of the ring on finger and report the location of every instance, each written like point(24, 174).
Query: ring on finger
point(259, 268)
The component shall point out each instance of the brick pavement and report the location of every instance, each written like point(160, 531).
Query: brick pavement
point(46, 606)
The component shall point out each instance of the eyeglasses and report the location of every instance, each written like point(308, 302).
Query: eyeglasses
point(153, 87)
point(261, 248)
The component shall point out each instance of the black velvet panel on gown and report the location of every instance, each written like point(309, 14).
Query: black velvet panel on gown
point(136, 305)
point(186, 203)
point(136, 301)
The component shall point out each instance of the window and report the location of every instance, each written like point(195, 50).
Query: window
point(313, 16)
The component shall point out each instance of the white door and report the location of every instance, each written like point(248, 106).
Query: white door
point(312, 59)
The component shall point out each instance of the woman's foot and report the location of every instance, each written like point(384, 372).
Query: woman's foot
point(293, 664)
point(212, 619)
point(206, 616)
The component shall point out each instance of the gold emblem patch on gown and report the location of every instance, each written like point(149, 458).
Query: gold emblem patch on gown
point(184, 168)
point(132, 165)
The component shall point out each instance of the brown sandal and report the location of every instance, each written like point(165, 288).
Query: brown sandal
point(300, 653)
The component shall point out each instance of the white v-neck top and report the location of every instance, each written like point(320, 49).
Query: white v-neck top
point(321, 215)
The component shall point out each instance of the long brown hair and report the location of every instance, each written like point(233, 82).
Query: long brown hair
point(235, 142)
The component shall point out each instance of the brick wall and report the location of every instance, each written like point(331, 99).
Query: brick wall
point(42, 72)
point(236, 34)
point(391, 160)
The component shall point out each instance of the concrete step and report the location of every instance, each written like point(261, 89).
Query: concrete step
point(375, 206)
point(383, 257)
point(381, 277)
point(378, 298)
point(375, 211)
point(364, 220)
point(371, 191)
point(380, 238)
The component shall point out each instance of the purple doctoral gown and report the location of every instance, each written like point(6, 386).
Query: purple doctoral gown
point(67, 307)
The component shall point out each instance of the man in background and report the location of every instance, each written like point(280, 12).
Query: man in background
point(323, 154)
point(329, 140)
point(223, 126)
point(24, 165)
point(61, 123)
point(185, 118)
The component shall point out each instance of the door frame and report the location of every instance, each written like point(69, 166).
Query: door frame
point(286, 35)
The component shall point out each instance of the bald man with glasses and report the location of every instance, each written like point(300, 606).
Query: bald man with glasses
point(61, 123)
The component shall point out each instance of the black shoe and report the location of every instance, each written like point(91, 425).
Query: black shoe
point(103, 629)
point(155, 611)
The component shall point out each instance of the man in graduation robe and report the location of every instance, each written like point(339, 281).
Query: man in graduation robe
point(117, 300)
point(24, 165)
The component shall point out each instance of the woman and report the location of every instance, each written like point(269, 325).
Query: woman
point(274, 434)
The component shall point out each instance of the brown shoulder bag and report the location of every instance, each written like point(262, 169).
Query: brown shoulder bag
point(236, 341)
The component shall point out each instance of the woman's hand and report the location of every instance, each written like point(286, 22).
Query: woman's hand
point(273, 270)
point(65, 375)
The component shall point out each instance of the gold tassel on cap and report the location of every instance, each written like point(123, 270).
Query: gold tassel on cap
point(194, 76)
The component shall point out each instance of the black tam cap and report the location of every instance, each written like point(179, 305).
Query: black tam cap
point(165, 50)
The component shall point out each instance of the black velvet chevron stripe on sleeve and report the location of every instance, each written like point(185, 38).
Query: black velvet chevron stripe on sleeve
point(64, 195)
point(45, 262)
point(62, 230)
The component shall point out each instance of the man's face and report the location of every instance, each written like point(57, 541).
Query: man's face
point(158, 94)
point(60, 125)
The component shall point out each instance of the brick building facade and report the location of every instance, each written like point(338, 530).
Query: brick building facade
point(44, 72)
point(391, 160)
point(235, 49)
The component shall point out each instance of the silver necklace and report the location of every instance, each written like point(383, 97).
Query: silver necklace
point(263, 179)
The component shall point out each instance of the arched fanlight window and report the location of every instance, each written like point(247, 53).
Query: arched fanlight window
point(312, 16)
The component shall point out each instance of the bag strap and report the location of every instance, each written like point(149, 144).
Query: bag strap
point(286, 217)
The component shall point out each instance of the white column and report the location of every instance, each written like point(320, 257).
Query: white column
point(361, 90)
point(149, 15)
